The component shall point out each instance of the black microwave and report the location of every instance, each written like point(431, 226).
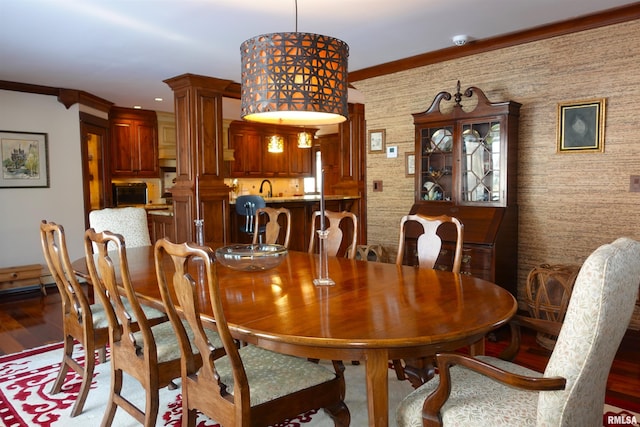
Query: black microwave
point(129, 193)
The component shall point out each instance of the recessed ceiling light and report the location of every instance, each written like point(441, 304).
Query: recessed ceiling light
point(159, 99)
point(137, 107)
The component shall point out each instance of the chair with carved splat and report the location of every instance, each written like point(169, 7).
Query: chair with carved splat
point(249, 386)
point(272, 229)
point(336, 246)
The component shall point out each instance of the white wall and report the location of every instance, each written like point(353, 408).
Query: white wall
point(21, 210)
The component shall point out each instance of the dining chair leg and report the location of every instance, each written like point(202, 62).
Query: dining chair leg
point(87, 377)
point(116, 390)
point(64, 365)
point(397, 366)
point(340, 415)
point(188, 415)
point(152, 406)
point(102, 354)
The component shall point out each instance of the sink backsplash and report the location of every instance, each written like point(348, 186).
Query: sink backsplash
point(280, 186)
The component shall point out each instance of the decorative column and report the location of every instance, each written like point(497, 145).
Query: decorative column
point(200, 192)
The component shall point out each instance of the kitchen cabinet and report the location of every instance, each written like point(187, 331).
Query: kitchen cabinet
point(466, 161)
point(247, 147)
point(161, 224)
point(166, 135)
point(249, 142)
point(134, 143)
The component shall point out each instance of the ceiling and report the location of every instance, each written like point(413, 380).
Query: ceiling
point(122, 50)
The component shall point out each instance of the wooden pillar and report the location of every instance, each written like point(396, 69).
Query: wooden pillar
point(199, 156)
point(352, 165)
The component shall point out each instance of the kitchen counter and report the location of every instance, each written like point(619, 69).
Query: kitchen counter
point(301, 209)
point(305, 198)
point(167, 211)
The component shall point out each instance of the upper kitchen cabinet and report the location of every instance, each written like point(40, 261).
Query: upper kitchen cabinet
point(166, 135)
point(467, 155)
point(134, 143)
point(247, 148)
point(252, 158)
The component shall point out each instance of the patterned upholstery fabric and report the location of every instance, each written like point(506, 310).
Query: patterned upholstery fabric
point(597, 317)
point(130, 222)
point(167, 345)
point(100, 319)
point(272, 375)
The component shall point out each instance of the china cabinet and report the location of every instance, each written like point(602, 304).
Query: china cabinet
point(466, 161)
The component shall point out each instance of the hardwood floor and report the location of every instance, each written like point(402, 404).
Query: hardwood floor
point(30, 319)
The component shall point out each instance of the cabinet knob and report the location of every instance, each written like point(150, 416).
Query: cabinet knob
point(14, 275)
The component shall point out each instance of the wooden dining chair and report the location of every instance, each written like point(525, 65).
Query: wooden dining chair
point(429, 244)
point(82, 321)
point(272, 228)
point(249, 386)
point(130, 222)
point(428, 247)
point(487, 391)
point(147, 352)
point(335, 244)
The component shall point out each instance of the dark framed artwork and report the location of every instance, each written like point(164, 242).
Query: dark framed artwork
point(581, 126)
point(23, 156)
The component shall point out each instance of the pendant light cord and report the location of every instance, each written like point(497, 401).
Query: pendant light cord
point(296, 16)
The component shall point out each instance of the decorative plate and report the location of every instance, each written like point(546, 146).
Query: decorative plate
point(442, 139)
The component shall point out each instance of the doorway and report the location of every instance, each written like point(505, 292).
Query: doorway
point(95, 186)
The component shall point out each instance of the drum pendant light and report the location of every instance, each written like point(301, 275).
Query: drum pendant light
point(294, 79)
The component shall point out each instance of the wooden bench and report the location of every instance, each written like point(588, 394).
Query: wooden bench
point(22, 276)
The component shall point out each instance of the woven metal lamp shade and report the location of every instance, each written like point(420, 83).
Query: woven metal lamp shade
point(295, 79)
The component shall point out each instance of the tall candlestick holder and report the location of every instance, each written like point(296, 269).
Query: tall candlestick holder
point(323, 278)
point(323, 257)
point(199, 224)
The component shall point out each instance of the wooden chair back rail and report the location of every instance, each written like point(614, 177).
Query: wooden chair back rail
point(77, 314)
point(429, 243)
point(272, 229)
point(335, 243)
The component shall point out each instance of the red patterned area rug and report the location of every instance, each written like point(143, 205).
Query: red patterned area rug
point(26, 379)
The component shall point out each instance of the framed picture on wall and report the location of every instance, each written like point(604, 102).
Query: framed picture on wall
point(410, 164)
point(23, 156)
point(376, 141)
point(581, 126)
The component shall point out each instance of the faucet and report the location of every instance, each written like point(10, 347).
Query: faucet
point(269, 193)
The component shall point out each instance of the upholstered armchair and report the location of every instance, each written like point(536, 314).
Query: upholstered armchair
point(130, 222)
point(487, 391)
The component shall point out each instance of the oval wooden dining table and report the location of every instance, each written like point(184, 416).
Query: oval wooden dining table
point(374, 313)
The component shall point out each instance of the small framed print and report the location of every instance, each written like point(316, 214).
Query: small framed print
point(376, 141)
point(23, 160)
point(409, 164)
point(581, 126)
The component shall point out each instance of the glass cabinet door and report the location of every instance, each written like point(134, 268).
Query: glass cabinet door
point(436, 168)
point(480, 166)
